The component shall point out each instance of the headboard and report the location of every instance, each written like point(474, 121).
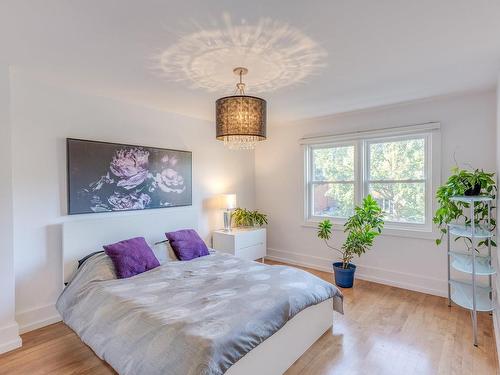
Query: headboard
point(82, 237)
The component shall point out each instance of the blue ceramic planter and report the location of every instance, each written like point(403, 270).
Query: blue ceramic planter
point(344, 277)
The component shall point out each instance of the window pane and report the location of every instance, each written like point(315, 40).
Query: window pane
point(401, 202)
point(333, 163)
point(398, 160)
point(335, 200)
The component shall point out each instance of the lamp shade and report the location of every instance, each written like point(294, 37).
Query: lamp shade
point(228, 201)
point(241, 120)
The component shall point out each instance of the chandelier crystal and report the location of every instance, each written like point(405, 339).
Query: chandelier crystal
point(240, 119)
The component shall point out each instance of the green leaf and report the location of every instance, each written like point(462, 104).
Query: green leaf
point(325, 229)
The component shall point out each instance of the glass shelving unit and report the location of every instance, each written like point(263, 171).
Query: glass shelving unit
point(474, 296)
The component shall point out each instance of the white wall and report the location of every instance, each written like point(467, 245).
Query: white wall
point(467, 125)
point(9, 335)
point(42, 117)
point(496, 315)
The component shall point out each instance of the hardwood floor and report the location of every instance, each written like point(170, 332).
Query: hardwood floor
point(385, 330)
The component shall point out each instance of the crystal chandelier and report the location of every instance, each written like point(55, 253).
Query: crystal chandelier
point(240, 119)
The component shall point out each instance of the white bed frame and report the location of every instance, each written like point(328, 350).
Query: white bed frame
point(82, 237)
point(273, 357)
point(276, 354)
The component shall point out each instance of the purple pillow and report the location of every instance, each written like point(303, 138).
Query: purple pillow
point(187, 244)
point(131, 257)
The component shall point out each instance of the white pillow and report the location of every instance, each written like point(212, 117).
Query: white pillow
point(170, 253)
point(164, 253)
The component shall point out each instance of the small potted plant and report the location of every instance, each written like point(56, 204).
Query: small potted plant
point(247, 218)
point(464, 182)
point(361, 229)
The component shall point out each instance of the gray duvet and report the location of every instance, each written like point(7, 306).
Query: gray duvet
point(183, 318)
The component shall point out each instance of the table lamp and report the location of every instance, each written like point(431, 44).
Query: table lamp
point(228, 203)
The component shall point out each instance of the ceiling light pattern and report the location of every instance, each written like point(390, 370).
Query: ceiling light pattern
point(278, 54)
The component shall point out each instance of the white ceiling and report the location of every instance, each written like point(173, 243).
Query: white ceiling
point(307, 58)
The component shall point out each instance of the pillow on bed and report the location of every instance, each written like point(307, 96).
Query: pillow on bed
point(131, 257)
point(187, 244)
point(85, 258)
point(171, 254)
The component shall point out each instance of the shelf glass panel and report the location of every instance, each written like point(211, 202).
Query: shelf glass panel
point(471, 198)
point(461, 294)
point(466, 231)
point(463, 263)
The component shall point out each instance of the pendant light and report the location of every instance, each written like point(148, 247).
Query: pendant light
point(240, 119)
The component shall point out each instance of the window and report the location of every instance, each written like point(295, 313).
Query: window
point(394, 166)
point(396, 178)
point(333, 180)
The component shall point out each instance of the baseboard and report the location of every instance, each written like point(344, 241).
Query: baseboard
point(10, 338)
point(39, 317)
point(413, 282)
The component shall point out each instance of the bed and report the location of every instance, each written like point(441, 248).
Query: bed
point(212, 315)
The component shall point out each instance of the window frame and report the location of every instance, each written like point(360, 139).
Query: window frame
point(361, 141)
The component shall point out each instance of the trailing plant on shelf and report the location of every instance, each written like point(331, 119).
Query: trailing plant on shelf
point(361, 228)
point(470, 183)
point(247, 218)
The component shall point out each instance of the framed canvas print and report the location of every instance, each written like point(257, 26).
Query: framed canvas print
point(105, 177)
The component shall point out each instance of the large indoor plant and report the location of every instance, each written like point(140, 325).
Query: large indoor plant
point(464, 182)
point(361, 229)
point(247, 218)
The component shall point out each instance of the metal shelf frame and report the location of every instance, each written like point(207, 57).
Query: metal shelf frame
point(475, 299)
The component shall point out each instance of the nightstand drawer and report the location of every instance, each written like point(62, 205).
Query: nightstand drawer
point(251, 252)
point(245, 243)
point(249, 238)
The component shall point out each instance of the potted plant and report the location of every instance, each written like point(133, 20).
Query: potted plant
point(247, 218)
point(464, 182)
point(361, 229)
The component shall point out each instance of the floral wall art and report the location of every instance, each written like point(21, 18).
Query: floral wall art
point(104, 177)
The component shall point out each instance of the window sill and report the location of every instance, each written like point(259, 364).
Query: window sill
point(386, 232)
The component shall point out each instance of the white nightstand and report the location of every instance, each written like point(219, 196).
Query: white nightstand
point(246, 243)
